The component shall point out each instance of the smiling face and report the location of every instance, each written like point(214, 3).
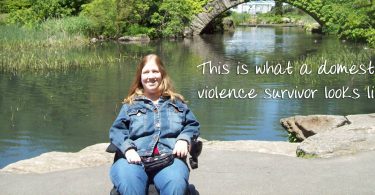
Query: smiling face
point(151, 79)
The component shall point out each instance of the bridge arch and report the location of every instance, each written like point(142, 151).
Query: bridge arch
point(216, 7)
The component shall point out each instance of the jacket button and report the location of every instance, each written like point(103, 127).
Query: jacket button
point(157, 125)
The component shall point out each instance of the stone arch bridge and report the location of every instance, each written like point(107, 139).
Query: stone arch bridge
point(216, 7)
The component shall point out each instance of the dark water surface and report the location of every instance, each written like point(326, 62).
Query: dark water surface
point(67, 111)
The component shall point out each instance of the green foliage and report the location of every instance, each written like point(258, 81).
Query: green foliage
point(171, 17)
point(30, 12)
point(269, 18)
point(292, 137)
point(25, 17)
point(3, 19)
point(136, 29)
point(3, 8)
point(33, 12)
point(133, 16)
point(239, 18)
point(278, 9)
point(370, 37)
point(104, 17)
point(347, 18)
point(197, 5)
point(75, 5)
point(102, 14)
point(14, 5)
point(156, 18)
point(71, 25)
point(34, 50)
point(302, 154)
point(354, 24)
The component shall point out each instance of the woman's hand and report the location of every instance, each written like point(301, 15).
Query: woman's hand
point(132, 156)
point(181, 148)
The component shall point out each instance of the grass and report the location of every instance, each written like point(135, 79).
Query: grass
point(296, 17)
point(292, 137)
point(302, 154)
point(53, 46)
point(342, 55)
point(80, 25)
point(3, 18)
point(53, 49)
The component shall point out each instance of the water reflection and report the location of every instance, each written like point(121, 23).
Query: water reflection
point(67, 111)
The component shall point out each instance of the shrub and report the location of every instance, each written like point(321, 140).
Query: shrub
point(103, 14)
point(31, 13)
point(172, 15)
point(370, 35)
point(239, 18)
point(71, 25)
point(136, 29)
point(3, 18)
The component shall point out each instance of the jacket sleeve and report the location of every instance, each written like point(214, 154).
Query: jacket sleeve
point(119, 132)
point(191, 127)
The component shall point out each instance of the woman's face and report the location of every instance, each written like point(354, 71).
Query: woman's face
point(151, 78)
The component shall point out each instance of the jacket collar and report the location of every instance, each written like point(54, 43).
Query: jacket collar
point(146, 99)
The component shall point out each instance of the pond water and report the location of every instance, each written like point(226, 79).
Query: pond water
point(69, 110)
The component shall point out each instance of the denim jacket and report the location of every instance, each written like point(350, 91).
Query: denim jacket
point(141, 125)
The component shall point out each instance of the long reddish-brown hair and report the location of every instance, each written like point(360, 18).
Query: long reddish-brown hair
point(166, 86)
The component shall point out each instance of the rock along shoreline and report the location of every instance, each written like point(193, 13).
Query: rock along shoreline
point(326, 136)
point(95, 155)
point(322, 136)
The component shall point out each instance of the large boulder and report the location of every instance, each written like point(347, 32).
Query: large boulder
point(138, 38)
point(313, 27)
point(341, 141)
point(306, 126)
point(357, 135)
point(57, 161)
point(228, 24)
point(286, 20)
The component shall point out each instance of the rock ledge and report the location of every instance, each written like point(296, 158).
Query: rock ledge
point(95, 155)
point(327, 135)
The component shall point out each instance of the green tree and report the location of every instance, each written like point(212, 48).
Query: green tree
point(351, 19)
point(3, 8)
point(156, 18)
point(30, 13)
point(33, 12)
point(12, 6)
point(103, 14)
point(75, 5)
point(173, 15)
point(133, 16)
point(278, 7)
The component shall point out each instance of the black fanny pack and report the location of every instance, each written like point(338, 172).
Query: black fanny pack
point(155, 163)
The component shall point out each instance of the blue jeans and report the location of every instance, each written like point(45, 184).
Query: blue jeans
point(133, 179)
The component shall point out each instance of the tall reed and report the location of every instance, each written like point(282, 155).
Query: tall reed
point(44, 50)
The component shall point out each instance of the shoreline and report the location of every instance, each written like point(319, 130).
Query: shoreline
point(225, 167)
point(95, 155)
point(271, 25)
point(222, 172)
point(321, 136)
